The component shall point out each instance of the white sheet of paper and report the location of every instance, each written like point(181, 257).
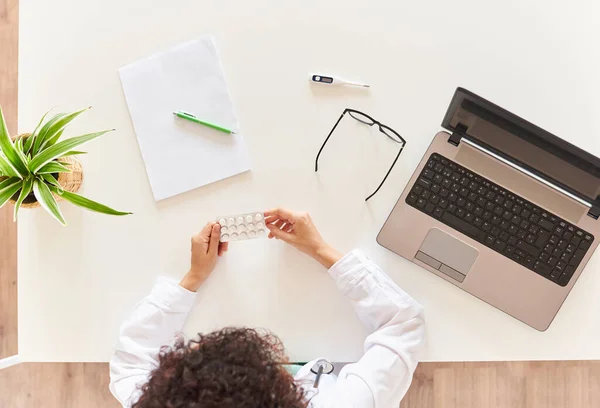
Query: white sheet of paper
point(181, 155)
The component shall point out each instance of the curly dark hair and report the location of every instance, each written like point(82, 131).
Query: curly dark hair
point(230, 368)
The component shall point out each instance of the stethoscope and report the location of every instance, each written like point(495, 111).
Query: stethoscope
point(319, 368)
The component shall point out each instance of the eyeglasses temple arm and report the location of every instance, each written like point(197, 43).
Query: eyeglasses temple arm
point(325, 142)
point(387, 174)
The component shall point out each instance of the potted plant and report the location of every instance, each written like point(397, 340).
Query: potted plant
point(38, 170)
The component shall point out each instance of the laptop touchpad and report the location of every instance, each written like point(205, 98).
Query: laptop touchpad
point(447, 254)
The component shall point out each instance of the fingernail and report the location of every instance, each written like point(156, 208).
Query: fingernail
point(217, 227)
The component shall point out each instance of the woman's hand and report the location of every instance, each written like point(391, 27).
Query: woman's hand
point(298, 230)
point(206, 248)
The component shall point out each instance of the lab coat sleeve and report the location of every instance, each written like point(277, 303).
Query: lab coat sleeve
point(154, 322)
point(382, 376)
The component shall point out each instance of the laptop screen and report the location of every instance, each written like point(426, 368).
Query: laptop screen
point(525, 144)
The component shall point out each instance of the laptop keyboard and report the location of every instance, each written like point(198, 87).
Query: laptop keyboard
point(499, 219)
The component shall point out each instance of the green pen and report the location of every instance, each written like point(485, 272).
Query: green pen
point(193, 118)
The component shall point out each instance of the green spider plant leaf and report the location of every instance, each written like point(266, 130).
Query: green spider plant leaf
point(7, 182)
point(30, 139)
point(47, 200)
point(52, 182)
point(61, 148)
point(8, 149)
point(53, 167)
point(7, 168)
point(53, 132)
point(9, 188)
point(25, 191)
point(87, 203)
point(44, 130)
point(54, 139)
point(73, 153)
point(19, 148)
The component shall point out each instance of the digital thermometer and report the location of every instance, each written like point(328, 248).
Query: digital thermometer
point(331, 80)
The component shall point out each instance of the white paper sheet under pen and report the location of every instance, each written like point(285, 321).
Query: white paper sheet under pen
point(181, 155)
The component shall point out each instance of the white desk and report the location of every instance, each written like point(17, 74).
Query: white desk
point(76, 284)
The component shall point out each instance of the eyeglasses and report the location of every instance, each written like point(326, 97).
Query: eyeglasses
point(367, 120)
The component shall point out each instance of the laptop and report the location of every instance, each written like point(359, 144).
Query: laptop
point(500, 208)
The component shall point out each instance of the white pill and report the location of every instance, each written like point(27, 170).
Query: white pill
point(260, 225)
point(230, 221)
point(239, 220)
point(234, 236)
point(248, 218)
point(222, 221)
point(252, 233)
point(243, 235)
point(224, 238)
point(233, 228)
point(241, 228)
point(251, 227)
point(224, 230)
point(258, 217)
point(261, 232)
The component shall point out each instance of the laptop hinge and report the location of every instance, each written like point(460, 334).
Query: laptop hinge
point(594, 211)
point(459, 131)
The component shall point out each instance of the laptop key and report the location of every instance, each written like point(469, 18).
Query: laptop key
point(564, 279)
point(541, 268)
point(544, 223)
point(424, 182)
point(542, 238)
point(429, 207)
point(463, 226)
point(577, 257)
point(531, 250)
point(499, 246)
point(529, 261)
point(489, 240)
point(437, 212)
point(569, 270)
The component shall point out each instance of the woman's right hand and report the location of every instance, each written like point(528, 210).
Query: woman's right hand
point(298, 230)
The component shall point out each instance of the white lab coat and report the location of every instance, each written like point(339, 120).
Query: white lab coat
point(379, 379)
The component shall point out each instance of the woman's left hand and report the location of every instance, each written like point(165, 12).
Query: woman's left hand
point(206, 249)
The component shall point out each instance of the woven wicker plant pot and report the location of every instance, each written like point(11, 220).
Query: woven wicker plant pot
point(69, 181)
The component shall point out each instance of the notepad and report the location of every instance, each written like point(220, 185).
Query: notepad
point(181, 155)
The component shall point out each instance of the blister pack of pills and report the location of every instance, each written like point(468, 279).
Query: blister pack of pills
point(242, 226)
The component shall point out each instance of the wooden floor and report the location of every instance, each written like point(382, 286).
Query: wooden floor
point(9, 30)
point(436, 385)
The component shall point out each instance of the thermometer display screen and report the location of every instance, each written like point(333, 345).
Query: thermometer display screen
point(322, 79)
